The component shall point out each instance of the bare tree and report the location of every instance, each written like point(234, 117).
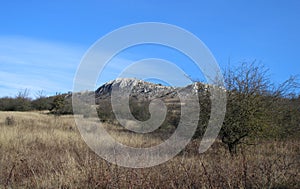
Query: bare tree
point(22, 102)
point(40, 94)
point(24, 94)
point(251, 105)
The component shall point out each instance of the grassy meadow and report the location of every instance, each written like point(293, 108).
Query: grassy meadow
point(38, 150)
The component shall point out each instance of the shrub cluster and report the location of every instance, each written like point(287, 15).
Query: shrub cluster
point(58, 104)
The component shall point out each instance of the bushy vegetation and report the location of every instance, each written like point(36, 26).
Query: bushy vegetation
point(140, 110)
point(20, 103)
point(256, 108)
point(57, 104)
point(61, 105)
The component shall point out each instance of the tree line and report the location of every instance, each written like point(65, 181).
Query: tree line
point(58, 104)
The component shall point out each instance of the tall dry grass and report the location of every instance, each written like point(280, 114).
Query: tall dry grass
point(43, 151)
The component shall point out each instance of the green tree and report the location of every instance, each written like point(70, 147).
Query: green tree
point(61, 105)
point(58, 103)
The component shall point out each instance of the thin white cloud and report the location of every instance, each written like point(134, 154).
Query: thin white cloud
point(51, 66)
point(36, 65)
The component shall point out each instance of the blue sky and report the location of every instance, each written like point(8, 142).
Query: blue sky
point(42, 42)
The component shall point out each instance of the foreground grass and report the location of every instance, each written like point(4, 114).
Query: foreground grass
point(42, 151)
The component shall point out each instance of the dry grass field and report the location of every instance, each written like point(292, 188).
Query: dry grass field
point(38, 150)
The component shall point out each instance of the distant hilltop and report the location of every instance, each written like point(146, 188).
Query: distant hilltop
point(142, 89)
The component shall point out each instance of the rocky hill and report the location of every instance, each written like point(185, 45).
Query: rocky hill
point(140, 95)
point(138, 88)
point(142, 89)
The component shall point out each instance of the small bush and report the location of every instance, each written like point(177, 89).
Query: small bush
point(10, 120)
